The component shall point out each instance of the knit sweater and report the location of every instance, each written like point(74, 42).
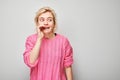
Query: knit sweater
point(55, 54)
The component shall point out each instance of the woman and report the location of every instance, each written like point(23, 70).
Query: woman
point(48, 54)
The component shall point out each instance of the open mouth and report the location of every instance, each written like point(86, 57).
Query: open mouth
point(43, 28)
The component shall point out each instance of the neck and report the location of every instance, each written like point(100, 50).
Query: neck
point(49, 36)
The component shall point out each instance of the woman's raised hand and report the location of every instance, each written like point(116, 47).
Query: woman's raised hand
point(39, 32)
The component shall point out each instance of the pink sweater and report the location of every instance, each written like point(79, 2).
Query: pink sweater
point(55, 55)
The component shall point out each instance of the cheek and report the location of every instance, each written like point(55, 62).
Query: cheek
point(40, 23)
point(51, 24)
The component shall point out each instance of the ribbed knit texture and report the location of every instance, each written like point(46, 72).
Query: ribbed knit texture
point(55, 55)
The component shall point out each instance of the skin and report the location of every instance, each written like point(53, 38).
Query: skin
point(46, 20)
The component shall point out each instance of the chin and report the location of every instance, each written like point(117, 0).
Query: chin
point(47, 32)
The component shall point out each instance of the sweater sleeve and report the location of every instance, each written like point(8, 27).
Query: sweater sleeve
point(68, 59)
point(29, 46)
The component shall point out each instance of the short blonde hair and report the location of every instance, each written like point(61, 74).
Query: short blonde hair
point(44, 10)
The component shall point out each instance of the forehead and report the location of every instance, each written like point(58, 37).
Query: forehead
point(46, 15)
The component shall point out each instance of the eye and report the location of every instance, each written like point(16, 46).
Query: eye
point(41, 19)
point(49, 19)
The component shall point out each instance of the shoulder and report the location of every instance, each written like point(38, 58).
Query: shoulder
point(65, 41)
point(63, 38)
point(32, 37)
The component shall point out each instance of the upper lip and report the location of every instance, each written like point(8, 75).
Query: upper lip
point(45, 27)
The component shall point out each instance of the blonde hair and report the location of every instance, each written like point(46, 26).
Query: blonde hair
point(44, 10)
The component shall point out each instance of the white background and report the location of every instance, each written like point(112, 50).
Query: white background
point(92, 26)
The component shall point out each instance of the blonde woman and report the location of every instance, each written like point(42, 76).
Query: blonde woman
point(48, 54)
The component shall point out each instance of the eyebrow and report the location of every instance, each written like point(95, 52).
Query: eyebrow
point(47, 17)
point(50, 17)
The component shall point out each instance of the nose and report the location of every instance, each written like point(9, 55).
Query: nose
point(45, 22)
